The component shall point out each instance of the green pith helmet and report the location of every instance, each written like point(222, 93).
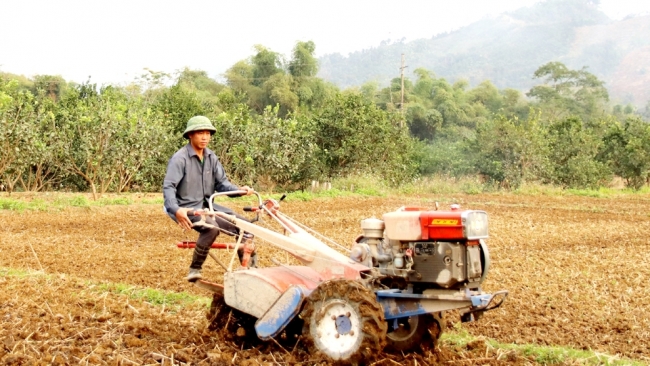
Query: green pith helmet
point(199, 123)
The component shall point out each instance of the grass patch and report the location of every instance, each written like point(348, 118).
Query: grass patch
point(588, 193)
point(153, 296)
point(546, 355)
point(20, 273)
point(153, 201)
point(114, 201)
point(12, 204)
point(75, 201)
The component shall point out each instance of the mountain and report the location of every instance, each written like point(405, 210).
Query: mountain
point(507, 49)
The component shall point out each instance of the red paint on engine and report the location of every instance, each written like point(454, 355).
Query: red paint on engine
point(441, 225)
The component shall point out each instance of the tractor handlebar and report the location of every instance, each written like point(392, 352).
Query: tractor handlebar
point(259, 198)
point(269, 204)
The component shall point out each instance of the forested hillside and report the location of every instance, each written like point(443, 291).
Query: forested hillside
point(508, 48)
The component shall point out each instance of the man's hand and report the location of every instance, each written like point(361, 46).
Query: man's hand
point(182, 219)
point(248, 190)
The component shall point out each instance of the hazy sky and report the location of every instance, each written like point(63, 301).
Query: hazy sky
point(113, 41)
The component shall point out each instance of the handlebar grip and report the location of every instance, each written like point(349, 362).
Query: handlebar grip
point(250, 209)
point(283, 197)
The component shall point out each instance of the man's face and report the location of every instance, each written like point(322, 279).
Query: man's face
point(199, 139)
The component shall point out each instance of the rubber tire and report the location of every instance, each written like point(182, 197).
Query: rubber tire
point(423, 332)
point(364, 308)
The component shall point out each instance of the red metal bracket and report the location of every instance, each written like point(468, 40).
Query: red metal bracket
point(192, 245)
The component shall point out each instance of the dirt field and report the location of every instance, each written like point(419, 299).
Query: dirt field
point(576, 269)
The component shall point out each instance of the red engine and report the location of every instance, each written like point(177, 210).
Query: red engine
point(413, 223)
point(430, 248)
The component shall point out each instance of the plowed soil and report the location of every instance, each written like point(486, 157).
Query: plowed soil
point(577, 270)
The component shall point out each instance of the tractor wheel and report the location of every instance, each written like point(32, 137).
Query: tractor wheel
point(343, 323)
point(413, 332)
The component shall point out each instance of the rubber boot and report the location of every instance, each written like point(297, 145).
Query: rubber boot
point(194, 275)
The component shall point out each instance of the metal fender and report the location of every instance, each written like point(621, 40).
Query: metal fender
point(285, 308)
point(485, 257)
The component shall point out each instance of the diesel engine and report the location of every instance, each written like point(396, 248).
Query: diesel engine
point(429, 249)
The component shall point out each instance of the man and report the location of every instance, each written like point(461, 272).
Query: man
point(194, 173)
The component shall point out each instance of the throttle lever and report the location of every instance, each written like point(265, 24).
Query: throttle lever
point(253, 209)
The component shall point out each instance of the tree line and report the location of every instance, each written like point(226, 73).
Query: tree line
point(278, 125)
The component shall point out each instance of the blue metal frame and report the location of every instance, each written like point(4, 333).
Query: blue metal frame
point(398, 304)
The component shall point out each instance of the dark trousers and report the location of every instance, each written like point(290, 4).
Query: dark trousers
point(208, 232)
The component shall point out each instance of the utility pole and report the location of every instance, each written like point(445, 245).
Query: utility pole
point(401, 106)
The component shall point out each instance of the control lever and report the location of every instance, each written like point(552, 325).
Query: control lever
point(253, 209)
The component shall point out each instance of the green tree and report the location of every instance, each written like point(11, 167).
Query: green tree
point(151, 79)
point(567, 92)
point(354, 135)
point(50, 85)
point(266, 63)
point(285, 151)
point(178, 104)
point(627, 151)
point(146, 143)
point(240, 78)
point(303, 63)
point(41, 167)
point(572, 154)
point(233, 144)
point(310, 90)
point(16, 113)
point(509, 152)
point(514, 104)
point(423, 122)
point(488, 95)
point(263, 81)
point(199, 81)
point(447, 157)
point(28, 137)
point(370, 90)
point(109, 136)
point(279, 91)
